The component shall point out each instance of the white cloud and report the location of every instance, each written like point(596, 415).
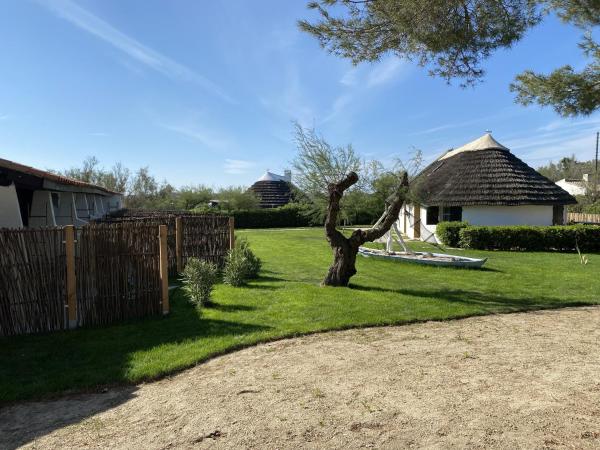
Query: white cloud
point(350, 78)
point(384, 72)
point(359, 80)
point(582, 146)
point(566, 123)
point(340, 104)
point(238, 166)
point(562, 138)
point(291, 101)
point(209, 138)
point(85, 20)
point(99, 133)
point(4, 116)
point(487, 121)
point(295, 103)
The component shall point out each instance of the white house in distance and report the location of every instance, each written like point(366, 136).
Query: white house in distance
point(31, 197)
point(482, 183)
point(575, 186)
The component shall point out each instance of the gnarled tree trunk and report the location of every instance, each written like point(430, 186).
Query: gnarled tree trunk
point(345, 249)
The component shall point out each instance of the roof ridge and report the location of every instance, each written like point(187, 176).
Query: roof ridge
point(485, 142)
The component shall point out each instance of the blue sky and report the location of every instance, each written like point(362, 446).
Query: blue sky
point(206, 92)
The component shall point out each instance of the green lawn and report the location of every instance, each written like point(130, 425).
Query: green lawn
point(288, 301)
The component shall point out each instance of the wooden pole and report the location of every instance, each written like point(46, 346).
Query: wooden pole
point(164, 268)
point(179, 244)
point(231, 233)
point(71, 283)
point(417, 225)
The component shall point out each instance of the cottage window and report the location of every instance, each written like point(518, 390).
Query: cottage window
point(433, 215)
point(452, 214)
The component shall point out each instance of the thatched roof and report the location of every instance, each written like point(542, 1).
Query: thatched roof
point(272, 190)
point(484, 172)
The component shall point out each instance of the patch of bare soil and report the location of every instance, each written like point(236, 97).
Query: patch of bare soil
point(507, 381)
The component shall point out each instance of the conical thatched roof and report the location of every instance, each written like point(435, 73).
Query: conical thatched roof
point(272, 190)
point(484, 172)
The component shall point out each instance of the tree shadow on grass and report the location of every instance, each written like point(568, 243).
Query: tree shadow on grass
point(483, 269)
point(486, 301)
point(95, 360)
point(266, 287)
point(270, 278)
point(230, 308)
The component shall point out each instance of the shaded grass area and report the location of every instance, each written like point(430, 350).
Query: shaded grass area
point(288, 301)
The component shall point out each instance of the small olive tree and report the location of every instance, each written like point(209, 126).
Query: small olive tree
point(326, 173)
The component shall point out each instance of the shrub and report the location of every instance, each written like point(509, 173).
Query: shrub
point(448, 232)
point(253, 262)
point(532, 238)
point(235, 272)
point(198, 279)
point(241, 264)
point(290, 215)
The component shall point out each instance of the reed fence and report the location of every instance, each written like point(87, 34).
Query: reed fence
point(32, 281)
point(118, 273)
point(203, 236)
point(60, 278)
point(583, 218)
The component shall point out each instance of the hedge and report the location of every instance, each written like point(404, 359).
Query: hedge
point(532, 238)
point(286, 216)
point(448, 232)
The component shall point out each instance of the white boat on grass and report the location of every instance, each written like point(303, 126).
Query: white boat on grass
point(426, 258)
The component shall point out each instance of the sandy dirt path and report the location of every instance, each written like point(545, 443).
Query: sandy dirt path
point(506, 381)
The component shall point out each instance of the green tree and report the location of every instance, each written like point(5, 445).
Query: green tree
point(116, 179)
point(328, 175)
point(146, 192)
point(89, 172)
point(567, 167)
point(237, 198)
point(190, 197)
point(454, 37)
point(318, 164)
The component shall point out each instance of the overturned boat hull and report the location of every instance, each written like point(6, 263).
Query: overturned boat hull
point(425, 258)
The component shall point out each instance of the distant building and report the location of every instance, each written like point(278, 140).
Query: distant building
point(31, 197)
point(575, 186)
point(482, 183)
point(273, 190)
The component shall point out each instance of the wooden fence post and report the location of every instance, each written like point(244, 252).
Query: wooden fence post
point(231, 233)
point(179, 244)
point(164, 268)
point(71, 283)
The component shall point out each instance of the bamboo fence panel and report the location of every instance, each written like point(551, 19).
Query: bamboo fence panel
point(153, 220)
point(32, 281)
point(205, 237)
point(117, 273)
point(583, 218)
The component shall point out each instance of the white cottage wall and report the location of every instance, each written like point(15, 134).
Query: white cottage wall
point(409, 222)
point(508, 215)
